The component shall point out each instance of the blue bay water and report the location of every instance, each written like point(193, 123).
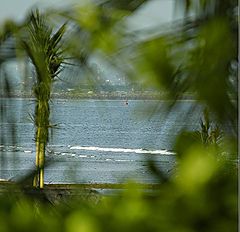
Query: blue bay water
point(100, 141)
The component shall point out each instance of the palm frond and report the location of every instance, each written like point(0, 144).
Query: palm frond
point(56, 38)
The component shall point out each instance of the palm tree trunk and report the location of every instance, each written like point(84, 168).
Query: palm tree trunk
point(40, 154)
point(42, 119)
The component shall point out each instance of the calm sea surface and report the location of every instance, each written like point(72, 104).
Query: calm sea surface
point(96, 141)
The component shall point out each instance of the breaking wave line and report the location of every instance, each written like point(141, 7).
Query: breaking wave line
point(123, 150)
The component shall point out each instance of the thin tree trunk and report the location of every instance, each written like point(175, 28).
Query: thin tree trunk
point(42, 122)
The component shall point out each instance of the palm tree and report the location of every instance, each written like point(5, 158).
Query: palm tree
point(44, 49)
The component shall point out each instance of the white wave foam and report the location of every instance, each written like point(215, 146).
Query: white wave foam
point(82, 156)
point(124, 160)
point(122, 150)
point(64, 153)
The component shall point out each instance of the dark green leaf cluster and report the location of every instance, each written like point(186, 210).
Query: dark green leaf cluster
point(44, 47)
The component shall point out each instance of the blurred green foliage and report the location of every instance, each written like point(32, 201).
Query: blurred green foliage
point(197, 57)
point(202, 196)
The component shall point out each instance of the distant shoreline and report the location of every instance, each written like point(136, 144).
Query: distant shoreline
point(101, 97)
